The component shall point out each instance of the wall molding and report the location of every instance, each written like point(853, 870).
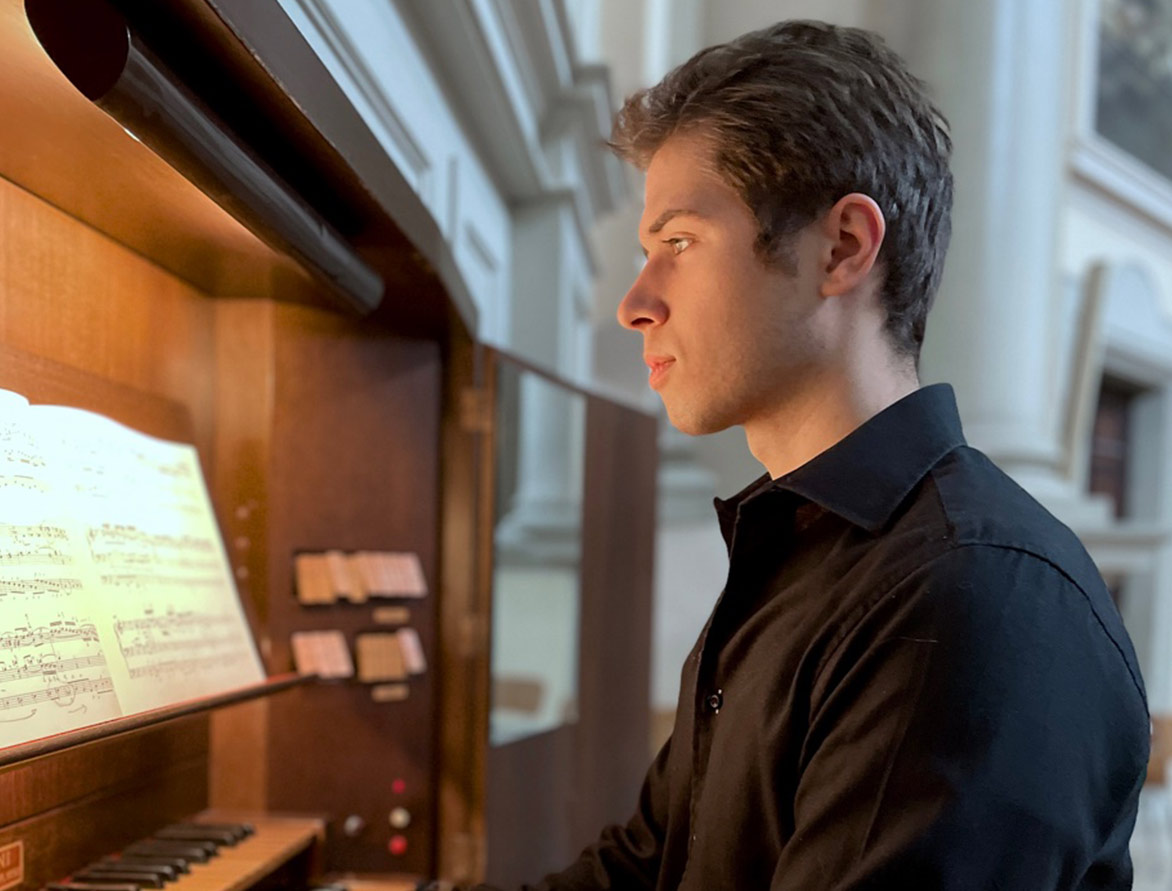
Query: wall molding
point(334, 34)
point(522, 91)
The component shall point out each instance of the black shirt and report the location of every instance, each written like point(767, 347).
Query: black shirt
point(914, 678)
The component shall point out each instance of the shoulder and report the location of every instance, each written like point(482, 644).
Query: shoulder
point(975, 558)
point(970, 530)
point(994, 638)
point(1003, 611)
point(981, 505)
point(966, 501)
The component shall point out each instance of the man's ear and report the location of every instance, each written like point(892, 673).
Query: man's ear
point(854, 229)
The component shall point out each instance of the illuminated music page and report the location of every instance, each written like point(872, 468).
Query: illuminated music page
point(115, 591)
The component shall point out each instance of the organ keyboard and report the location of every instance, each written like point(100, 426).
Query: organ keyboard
point(210, 853)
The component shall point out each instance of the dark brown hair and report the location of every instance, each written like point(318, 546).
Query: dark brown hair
point(799, 115)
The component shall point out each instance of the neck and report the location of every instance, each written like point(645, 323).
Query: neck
point(830, 406)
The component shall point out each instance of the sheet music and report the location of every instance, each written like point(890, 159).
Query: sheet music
point(53, 673)
point(112, 563)
point(53, 676)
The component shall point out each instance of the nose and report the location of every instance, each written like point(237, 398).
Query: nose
point(642, 308)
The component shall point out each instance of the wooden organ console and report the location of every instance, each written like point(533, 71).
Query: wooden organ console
point(127, 291)
point(321, 424)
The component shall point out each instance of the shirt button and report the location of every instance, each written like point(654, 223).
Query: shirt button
point(715, 701)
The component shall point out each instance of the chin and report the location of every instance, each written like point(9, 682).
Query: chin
point(696, 423)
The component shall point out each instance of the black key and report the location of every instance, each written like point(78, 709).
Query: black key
point(143, 879)
point(190, 852)
point(90, 886)
point(179, 864)
point(208, 847)
point(164, 873)
point(239, 831)
point(192, 832)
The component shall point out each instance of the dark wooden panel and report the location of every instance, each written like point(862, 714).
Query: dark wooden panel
point(34, 787)
point(44, 381)
point(330, 439)
point(618, 561)
point(548, 796)
point(465, 605)
point(243, 440)
point(532, 792)
point(72, 296)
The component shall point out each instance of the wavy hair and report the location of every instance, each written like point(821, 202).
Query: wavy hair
point(800, 114)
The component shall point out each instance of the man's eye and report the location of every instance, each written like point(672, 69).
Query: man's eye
point(678, 245)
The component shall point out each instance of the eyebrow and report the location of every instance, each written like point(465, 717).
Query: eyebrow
point(666, 217)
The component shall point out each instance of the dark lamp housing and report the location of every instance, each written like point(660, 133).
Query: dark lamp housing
point(94, 47)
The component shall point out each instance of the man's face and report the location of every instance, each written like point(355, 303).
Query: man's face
point(728, 340)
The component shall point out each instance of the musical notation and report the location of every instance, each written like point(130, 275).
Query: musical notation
point(17, 446)
point(166, 480)
point(167, 624)
point(47, 666)
point(33, 545)
point(59, 630)
point(38, 587)
point(22, 482)
point(177, 642)
point(56, 661)
point(62, 694)
point(21, 457)
point(191, 668)
point(129, 545)
point(115, 594)
point(168, 647)
point(97, 461)
point(150, 581)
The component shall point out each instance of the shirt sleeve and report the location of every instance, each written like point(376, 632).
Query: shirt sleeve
point(624, 857)
point(979, 726)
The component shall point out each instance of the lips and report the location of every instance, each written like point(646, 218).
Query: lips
point(659, 367)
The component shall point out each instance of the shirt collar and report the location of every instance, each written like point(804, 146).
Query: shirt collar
point(866, 475)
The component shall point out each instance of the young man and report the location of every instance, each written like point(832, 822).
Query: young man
point(914, 677)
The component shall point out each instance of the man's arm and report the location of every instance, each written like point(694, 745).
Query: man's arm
point(979, 727)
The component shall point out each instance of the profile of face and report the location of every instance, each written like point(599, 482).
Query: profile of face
point(727, 338)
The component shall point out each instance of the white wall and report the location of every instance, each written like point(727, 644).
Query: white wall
point(367, 46)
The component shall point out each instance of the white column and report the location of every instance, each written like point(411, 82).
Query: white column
point(997, 69)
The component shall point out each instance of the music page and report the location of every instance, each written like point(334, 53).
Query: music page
point(115, 591)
